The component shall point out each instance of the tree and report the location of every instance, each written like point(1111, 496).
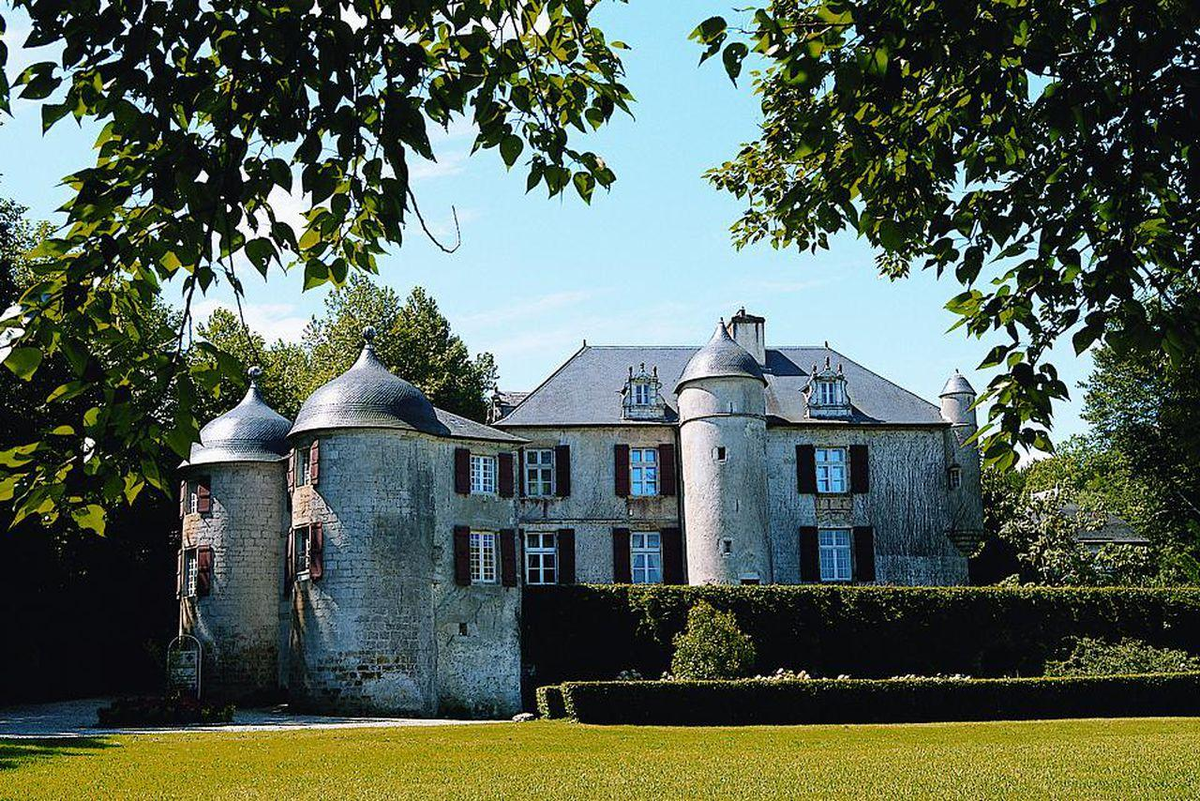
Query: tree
point(712, 646)
point(1042, 151)
point(414, 341)
point(208, 109)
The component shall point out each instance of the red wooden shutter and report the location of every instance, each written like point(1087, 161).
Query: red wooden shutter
point(521, 490)
point(860, 473)
point(179, 574)
point(562, 470)
point(462, 556)
point(316, 551)
point(672, 556)
point(806, 469)
point(504, 463)
point(621, 470)
point(203, 495)
point(204, 569)
point(810, 554)
point(314, 462)
point(183, 498)
point(864, 553)
point(462, 471)
point(291, 470)
point(289, 562)
point(508, 557)
point(621, 571)
point(666, 470)
point(566, 555)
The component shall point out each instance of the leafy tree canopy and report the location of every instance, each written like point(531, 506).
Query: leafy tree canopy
point(1041, 151)
point(208, 109)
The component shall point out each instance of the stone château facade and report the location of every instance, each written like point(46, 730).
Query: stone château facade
point(369, 557)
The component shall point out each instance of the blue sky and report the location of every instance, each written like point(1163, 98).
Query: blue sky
point(650, 262)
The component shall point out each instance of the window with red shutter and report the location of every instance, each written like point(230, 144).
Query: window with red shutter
point(203, 495)
point(622, 574)
point(621, 470)
point(562, 470)
point(806, 469)
point(462, 556)
point(316, 551)
point(672, 556)
point(508, 557)
point(864, 553)
point(204, 570)
point(666, 468)
point(565, 545)
point(504, 465)
point(314, 462)
point(462, 471)
point(810, 554)
point(860, 474)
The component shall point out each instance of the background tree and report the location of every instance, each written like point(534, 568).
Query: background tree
point(1042, 151)
point(207, 109)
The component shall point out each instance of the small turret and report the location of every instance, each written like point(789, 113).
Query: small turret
point(958, 398)
point(963, 464)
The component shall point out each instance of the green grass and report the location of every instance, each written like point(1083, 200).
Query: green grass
point(1143, 758)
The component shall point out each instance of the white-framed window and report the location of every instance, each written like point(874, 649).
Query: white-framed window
point(827, 393)
point(483, 557)
point(191, 572)
point(641, 394)
point(300, 555)
point(539, 472)
point(831, 470)
point(193, 497)
point(645, 557)
point(643, 471)
point(835, 554)
point(541, 557)
point(483, 474)
point(954, 477)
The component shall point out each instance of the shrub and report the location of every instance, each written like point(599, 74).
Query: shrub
point(174, 709)
point(759, 701)
point(712, 646)
point(1093, 657)
point(550, 702)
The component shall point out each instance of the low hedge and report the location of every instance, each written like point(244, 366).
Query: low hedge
point(550, 702)
point(575, 633)
point(767, 701)
point(158, 710)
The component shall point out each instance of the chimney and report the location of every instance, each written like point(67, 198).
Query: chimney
point(749, 331)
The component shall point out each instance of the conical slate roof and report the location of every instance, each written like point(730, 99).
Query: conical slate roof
point(957, 385)
point(250, 432)
point(721, 358)
point(368, 395)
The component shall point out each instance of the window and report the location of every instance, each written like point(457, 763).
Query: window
point(835, 554)
point(643, 471)
point(539, 472)
point(831, 470)
point(827, 393)
point(641, 394)
point(541, 558)
point(645, 557)
point(483, 556)
point(954, 476)
point(191, 572)
point(193, 497)
point(483, 474)
point(719, 453)
point(300, 556)
point(300, 466)
point(726, 547)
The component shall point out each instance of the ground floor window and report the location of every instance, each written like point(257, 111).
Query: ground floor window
point(300, 554)
point(191, 572)
point(483, 557)
point(541, 558)
point(835, 554)
point(645, 557)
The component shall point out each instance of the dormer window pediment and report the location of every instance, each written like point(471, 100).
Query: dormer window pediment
point(826, 392)
point(641, 398)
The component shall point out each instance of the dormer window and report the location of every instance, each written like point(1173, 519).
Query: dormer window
point(826, 392)
point(829, 393)
point(641, 399)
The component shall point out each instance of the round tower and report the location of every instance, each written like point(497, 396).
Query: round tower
point(722, 438)
point(234, 516)
point(963, 469)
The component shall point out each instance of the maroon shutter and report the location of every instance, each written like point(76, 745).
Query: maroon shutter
point(316, 551)
point(860, 472)
point(179, 574)
point(462, 555)
point(462, 471)
point(291, 470)
point(504, 463)
point(183, 498)
point(621, 470)
point(314, 462)
point(806, 469)
point(204, 568)
point(203, 495)
point(810, 554)
point(672, 556)
point(666, 469)
point(566, 555)
point(864, 553)
point(289, 562)
point(521, 478)
point(508, 557)
point(562, 470)
point(621, 571)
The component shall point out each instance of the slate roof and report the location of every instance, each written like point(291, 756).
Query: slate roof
point(586, 390)
point(250, 432)
point(720, 358)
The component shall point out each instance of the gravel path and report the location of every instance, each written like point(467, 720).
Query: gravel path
point(78, 719)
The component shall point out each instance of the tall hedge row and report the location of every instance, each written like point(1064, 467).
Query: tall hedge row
point(758, 701)
point(576, 633)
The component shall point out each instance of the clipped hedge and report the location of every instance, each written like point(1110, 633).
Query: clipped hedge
point(575, 633)
point(550, 702)
point(764, 701)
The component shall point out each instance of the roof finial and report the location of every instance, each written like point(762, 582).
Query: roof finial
point(368, 334)
point(255, 373)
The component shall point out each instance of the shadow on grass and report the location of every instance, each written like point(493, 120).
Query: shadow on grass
point(24, 753)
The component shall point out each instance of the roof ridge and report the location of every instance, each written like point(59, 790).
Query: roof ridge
point(545, 381)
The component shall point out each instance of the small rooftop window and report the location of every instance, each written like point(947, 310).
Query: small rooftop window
point(641, 398)
point(826, 392)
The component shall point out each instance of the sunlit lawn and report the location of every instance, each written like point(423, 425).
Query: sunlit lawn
point(1140, 758)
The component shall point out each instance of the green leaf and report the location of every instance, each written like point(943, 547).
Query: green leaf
point(733, 56)
point(24, 362)
point(92, 517)
point(510, 149)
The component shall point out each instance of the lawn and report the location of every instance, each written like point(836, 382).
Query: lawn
point(1147, 758)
